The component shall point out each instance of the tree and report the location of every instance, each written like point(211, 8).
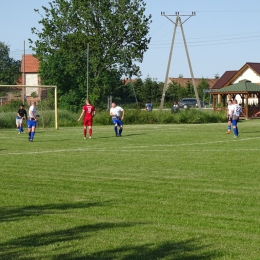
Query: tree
point(203, 84)
point(116, 32)
point(9, 68)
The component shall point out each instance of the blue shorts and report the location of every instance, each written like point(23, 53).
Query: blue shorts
point(31, 123)
point(117, 121)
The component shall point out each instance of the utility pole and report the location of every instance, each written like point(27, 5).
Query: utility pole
point(87, 66)
point(180, 23)
point(24, 80)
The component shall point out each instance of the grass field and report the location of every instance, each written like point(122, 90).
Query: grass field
point(159, 192)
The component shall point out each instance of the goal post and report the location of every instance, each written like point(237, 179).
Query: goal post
point(29, 94)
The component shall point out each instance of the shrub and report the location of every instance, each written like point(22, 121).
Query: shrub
point(133, 116)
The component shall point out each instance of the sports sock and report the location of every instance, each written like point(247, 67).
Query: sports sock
point(90, 132)
point(115, 128)
point(32, 135)
point(229, 128)
point(237, 131)
point(20, 129)
point(29, 134)
point(85, 132)
point(120, 130)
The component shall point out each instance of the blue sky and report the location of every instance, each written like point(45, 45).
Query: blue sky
point(223, 35)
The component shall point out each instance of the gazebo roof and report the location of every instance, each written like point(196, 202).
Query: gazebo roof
point(243, 86)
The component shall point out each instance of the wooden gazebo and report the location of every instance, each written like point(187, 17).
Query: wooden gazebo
point(244, 88)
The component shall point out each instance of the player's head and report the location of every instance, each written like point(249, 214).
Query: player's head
point(234, 101)
point(87, 101)
point(22, 106)
point(230, 101)
point(113, 105)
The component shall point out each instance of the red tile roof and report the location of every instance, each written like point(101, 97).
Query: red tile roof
point(224, 79)
point(183, 81)
point(31, 64)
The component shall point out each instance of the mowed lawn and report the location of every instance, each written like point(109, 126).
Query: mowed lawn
point(158, 192)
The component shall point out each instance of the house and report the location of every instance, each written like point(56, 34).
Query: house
point(249, 72)
point(30, 77)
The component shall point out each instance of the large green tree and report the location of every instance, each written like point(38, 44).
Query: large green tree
point(117, 34)
point(9, 67)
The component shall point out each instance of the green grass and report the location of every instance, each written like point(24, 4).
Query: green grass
point(159, 192)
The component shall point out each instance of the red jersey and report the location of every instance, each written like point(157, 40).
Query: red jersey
point(89, 109)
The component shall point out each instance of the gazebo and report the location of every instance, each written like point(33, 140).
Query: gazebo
point(244, 88)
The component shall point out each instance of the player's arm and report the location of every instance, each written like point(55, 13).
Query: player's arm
point(94, 113)
point(82, 113)
point(123, 114)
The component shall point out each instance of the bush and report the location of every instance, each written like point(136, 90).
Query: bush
point(133, 116)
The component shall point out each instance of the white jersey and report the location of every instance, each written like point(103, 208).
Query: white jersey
point(32, 111)
point(230, 108)
point(237, 110)
point(116, 111)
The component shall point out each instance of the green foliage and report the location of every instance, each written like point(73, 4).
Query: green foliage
point(133, 116)
point(9, 68)
point(116, 32)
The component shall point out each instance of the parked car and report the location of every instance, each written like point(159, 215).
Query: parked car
point(190, 102)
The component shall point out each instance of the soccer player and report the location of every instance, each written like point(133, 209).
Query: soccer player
point(115, 113)
point(235, 113)
point(229, 118)
point(148, 106)
point(32, 121)
point(21, 115)
point(89, 112)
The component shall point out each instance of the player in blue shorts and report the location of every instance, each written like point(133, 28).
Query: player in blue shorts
point(235, 113)
point(32, 121)
point(115, 113)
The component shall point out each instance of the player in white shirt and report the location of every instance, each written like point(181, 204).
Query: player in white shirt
point(235, 113)
point(229, 118)
point(115, 113)
point(32, 121)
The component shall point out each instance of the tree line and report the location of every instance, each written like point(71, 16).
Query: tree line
point(117, 34)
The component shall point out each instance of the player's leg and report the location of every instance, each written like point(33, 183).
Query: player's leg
point(229, 125)
point(20, 126)
point(121, 127)
point(115, 126)
point(85, 131)
point(29, 125)
point(234, 124)
point(90, 131)
point(85, 128)
point(17, 123)
point(33, 130)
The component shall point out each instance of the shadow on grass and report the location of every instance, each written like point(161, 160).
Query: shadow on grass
point(184, 250)
point(17, 213)
point(123, 135)
point(18, 248)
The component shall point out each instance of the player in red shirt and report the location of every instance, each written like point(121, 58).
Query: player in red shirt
point(89, 112)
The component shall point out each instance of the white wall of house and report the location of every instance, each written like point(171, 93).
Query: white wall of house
point(248, 74)
point(31, 80)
